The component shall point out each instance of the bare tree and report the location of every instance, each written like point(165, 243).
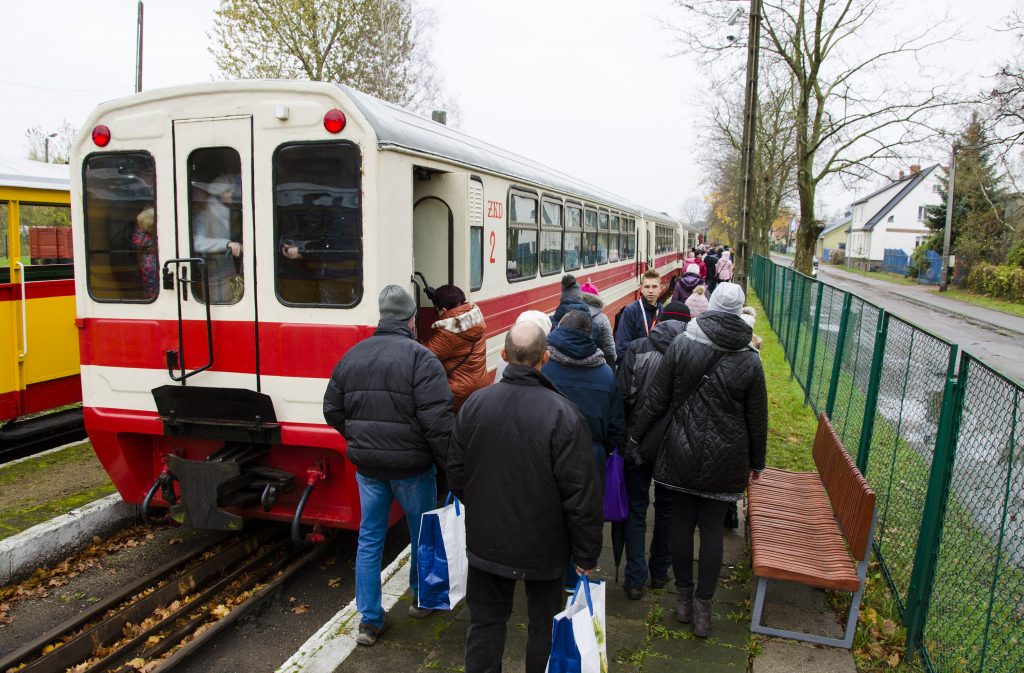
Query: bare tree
point(60, 146)
point(774, 151)
point(1007, 97)
point(693, 211)
point(380, 47)
point(848, 118)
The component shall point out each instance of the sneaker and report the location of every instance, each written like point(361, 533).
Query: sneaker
point(417, 612)
point(368, 633)
point(634, 593)
point(658, 582)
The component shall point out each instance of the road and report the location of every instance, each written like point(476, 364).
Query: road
point(992, 336)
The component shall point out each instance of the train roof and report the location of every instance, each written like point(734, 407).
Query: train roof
point(30, 174)
point(399, 128)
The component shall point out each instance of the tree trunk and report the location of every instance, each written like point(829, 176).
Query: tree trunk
point(807, 232)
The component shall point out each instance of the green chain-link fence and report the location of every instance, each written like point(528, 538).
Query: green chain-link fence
point(944, 451)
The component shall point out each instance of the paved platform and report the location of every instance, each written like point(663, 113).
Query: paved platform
point(642, 635)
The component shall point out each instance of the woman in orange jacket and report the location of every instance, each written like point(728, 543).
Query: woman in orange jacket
point(459, 342)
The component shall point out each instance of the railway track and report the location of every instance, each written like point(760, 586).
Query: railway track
point(157, 622)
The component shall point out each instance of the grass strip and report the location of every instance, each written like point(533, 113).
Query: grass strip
point(966, 296)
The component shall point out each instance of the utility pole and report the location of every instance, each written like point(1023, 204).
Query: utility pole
point(749, 134)
point(138, 51)
point(948, 232)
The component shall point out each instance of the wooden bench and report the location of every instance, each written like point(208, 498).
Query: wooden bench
point(806, 526)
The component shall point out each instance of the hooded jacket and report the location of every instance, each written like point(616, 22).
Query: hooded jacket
point(685, 286)
point(388, 396)
point(602, 327)
point(578, 370)
point(718, 427)
point(458, 342)
point(725, 267)
point(571, 299)
point(521, 461)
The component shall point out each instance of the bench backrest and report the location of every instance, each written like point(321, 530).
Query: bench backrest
point(853, 501)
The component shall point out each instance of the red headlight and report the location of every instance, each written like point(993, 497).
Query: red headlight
point(101, 135)
point(334, 121)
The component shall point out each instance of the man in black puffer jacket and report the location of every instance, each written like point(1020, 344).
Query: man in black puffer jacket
point(520, 459)
point(635, 375)
point(712, 385)
point(389, 398)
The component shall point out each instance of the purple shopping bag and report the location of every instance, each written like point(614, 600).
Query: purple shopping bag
point(616, 505)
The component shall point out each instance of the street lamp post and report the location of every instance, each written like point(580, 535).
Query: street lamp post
point(947, 233)
point(749, 133)
point(46, 147)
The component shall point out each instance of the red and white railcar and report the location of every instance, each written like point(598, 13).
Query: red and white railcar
point(210, 324)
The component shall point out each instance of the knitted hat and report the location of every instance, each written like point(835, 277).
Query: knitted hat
point(675, 310)
point(728, 298)
point(538, 318)
point(395, 303)
point(570, 289)
point(692, 268)
point(590, 288)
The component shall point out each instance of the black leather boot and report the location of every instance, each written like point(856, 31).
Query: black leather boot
point(701, 618)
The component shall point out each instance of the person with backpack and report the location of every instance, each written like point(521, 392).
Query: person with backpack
point(635, 375)
point(712, 386)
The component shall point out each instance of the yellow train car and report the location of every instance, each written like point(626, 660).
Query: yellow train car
point(39, 355)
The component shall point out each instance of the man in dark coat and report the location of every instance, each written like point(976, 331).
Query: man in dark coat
point(635, 375)
point(711, 383)
point(639, 317)
point(389, 397)
point(520, 460)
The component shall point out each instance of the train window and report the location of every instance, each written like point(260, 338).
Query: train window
point(550, 238)
point(613, 240)
point(629, 239)
point(521, 246)
point(573, 240)
point(318, 224)
point(121, 256)
point(45, 233)
point(589, 238)
point(215, 221)
point(602, 238)
point(476, 234)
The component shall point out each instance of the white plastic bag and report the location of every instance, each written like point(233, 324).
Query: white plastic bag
point(578, 634)
point(442, 565)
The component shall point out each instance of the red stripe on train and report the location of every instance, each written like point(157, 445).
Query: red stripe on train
point(286, 349)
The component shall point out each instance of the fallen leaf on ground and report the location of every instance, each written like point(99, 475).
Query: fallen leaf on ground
point(301, 609)
point(333, 582)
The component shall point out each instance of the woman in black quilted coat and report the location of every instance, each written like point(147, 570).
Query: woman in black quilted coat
point(711, 383)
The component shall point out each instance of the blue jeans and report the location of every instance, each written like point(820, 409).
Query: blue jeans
point(638, 486)
point(416, 495)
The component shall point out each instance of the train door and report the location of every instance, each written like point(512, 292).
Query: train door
point(441, 228)
point(213, 268)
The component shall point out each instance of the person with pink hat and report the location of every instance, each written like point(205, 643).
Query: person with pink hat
point(602, 327)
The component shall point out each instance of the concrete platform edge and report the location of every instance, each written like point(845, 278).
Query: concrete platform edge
point(40, 545)
point(335, 640)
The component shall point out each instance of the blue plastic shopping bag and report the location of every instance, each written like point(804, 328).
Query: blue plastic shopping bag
point(578, 632)
point(442, 564)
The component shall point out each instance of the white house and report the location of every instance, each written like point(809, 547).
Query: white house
point(892, 217)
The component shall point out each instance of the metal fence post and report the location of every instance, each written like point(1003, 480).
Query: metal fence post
point(930, 535)
point(793, 278)
point(844, 321)
point(871, 401)
point(814, 342)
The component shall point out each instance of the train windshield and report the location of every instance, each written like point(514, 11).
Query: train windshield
point(318, 224)
point(120, 227)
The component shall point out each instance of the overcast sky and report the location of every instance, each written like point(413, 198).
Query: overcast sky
point(584, 86)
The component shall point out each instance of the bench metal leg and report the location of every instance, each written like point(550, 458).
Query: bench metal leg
point(851, 625)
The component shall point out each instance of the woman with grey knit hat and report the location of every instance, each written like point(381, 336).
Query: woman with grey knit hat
point(712, 386)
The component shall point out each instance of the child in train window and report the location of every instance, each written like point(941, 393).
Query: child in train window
point(144, 243)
